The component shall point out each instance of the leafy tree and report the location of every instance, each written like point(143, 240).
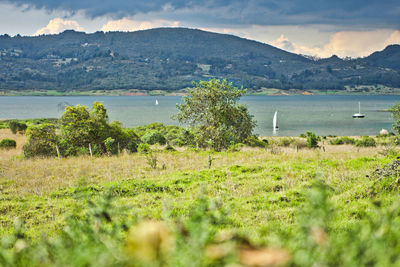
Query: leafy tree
point(212, 112)
point(81, 127)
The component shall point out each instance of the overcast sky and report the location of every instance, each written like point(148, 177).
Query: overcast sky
point(314, 27)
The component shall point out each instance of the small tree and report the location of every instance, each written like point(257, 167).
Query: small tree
point(312, 140)
point(212, 112)
point(81, 127)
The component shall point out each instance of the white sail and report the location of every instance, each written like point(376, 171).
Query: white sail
point(274, 120)
point(358, 115)
point(156, 102)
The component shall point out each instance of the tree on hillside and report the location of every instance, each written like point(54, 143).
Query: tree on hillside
point(212, 112)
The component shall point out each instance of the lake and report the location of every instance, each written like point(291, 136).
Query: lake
point(324, 115)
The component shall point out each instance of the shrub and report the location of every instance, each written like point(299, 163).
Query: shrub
point(254, 141)
point(235, 147)
point(343, 140)
point(285, 141)
point(151, 159)
point(348, 140)
point(177, 142)
point(16, 126)
point(336, 141)
point(366, 141)
point(154, 136)
point(42, 141)
point(312, 140)
point(8, 144)
point(110, 145)
point(169, 148)
point(132, 146)
point(83, 151)
point(299, 143)
point(144, 148)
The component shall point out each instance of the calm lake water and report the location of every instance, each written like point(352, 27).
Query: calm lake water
point(296, 114)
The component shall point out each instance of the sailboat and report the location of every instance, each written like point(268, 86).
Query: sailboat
point(358, 115)
point(274, 121)
point(156, 102)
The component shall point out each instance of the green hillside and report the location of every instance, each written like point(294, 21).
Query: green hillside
point(171, 58)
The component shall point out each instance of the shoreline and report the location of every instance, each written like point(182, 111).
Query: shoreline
point(182, 92)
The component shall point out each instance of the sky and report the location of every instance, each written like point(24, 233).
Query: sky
point(321, 28)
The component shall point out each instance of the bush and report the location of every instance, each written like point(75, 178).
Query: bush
point(336, 141)
point(132, 146)
point(154, 136)
point(42, 141)
point(254, 141)
point(343, 140)
point(16, 126)
point(235, 147)
point(144, 148)
point(285, 141)
point(299, 143)
point(8, 144)
point(110, 145)
point(366, 141)
point(312, 140)
point(169, 148)
point(348, 140)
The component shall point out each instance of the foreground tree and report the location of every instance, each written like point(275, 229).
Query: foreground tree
point(212, 112)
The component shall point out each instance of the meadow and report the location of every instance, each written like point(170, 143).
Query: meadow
point(275, 206)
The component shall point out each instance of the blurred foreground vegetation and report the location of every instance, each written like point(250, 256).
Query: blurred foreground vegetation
point(273, 206)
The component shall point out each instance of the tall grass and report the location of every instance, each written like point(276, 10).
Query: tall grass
point(296, 207)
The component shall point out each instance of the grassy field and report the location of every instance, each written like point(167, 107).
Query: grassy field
point(260, 193)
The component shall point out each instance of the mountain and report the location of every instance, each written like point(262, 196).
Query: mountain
point(171, 58)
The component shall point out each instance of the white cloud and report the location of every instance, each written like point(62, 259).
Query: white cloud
point(135, 25)
point(394, 38)
point(344, 43)
point(58, 25)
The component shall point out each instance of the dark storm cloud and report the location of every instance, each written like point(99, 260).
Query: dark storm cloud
point(371, 13)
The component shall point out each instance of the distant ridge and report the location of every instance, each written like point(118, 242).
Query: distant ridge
point(171, 58)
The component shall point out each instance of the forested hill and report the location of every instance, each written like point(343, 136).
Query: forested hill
point(171, 58)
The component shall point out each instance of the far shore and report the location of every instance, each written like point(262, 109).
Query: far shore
point(361, 90)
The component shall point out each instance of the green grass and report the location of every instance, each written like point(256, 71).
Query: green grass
point(257, 197)
point(258, 193)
